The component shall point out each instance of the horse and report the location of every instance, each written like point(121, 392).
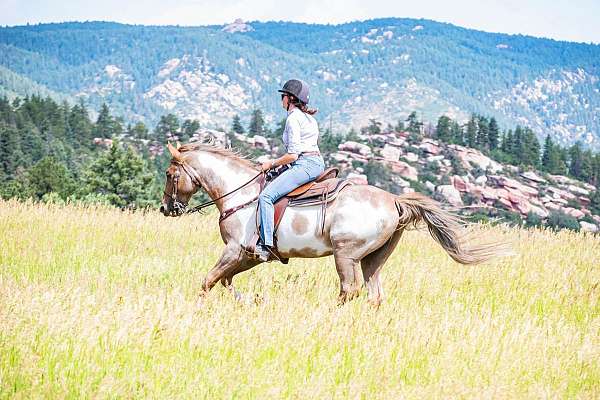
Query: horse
point(361, 227)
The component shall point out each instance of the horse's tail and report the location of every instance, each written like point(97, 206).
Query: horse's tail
point(447, 229)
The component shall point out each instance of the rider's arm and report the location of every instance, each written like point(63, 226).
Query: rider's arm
point(292, 127)
point(287, 158)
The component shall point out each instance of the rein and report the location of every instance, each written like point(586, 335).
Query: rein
point(194, 177)
point(199, 207)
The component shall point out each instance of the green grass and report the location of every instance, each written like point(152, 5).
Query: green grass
point(96, 303)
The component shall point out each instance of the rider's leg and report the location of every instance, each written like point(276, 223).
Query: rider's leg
point(303, 170)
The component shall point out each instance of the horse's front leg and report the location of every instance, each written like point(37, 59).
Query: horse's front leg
point(228, 263)
point(227, 281)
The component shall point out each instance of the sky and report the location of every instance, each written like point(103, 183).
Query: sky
point(571, 20)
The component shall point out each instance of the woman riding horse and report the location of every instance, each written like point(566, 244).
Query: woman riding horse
point(300, 138)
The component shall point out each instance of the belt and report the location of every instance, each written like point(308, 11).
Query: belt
point(310, 153)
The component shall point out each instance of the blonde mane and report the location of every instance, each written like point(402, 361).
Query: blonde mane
point(212, 147)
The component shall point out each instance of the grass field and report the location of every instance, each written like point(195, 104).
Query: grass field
point(95, 303)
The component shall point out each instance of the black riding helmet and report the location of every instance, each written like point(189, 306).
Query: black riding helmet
point(296, 88)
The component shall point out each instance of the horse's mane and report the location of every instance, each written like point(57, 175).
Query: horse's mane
point(211, 147)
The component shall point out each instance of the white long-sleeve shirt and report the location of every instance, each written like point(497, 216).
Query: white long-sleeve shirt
point(301, 133)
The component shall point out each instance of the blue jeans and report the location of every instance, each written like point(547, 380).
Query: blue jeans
point(304, 169)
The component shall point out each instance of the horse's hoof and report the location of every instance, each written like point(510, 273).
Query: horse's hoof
point(375, 304)
point(200, 300)
point(238, 296)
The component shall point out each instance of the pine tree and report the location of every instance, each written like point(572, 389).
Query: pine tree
point(443, 129)
point(399, 126)
point(49, 175)
point(122, 177)
point(106, 126)
point(546, 154)
point(576, 160)
point(188, 129)
point(414, 125)
point(551, 161)
point(11, 155)
point(493, 134)
point(81, 126)
point(596, 171)
point(353, 135)
point(517, 145)
point(257, 123)
point(482, 133)
point(167, 129)
point(374, 127)
point(528, 148)
point(329, 142)
point(471, 139)
point(587, 166)
point(236, 125)
point(595, 202)
point(456, 133)
point(507, 142)
point(139, 131)
point(414, 128)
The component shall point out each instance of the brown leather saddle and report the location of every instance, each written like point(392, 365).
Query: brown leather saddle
point(329, 173)
point(320, 191)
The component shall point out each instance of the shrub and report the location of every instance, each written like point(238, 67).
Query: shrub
point(559, 220)
point(533, 220)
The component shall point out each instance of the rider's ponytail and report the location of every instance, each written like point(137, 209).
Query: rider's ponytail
point(305, 109)
point(301, 106)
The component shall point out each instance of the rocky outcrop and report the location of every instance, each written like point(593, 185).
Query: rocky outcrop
point(403, 169)
point(359, 179)
point(103, 142)
point(256, 141)
point(532, 176)
point(588, 227)
point(237, 26)
point(450, 194)
point(355, 147)
point(430, 146)
point(391, 153)
point(474, 158)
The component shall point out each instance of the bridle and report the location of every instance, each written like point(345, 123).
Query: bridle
point(180, 207)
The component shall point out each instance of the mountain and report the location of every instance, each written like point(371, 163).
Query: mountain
point(377, 69)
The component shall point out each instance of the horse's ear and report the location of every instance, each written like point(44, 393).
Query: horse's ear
point(174, 152)
point(178, 145)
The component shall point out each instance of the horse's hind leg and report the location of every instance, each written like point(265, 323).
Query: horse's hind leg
point(348, 271)
point(371, 266)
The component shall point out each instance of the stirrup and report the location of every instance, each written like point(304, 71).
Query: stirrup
point(259, 252)
point(255, 244)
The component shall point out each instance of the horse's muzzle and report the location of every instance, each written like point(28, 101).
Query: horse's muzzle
point(172, 210)
point(163, 210)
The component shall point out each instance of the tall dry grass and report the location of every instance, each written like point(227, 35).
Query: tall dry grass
point(96, 303)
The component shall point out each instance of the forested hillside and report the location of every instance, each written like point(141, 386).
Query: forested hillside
point(379, 69)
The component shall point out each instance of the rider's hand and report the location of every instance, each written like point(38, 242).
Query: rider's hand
point(267, 165)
